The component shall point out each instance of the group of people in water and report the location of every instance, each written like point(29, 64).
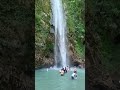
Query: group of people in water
point(66, 69)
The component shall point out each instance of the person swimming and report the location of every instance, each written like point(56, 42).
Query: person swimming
point(75, 69)
point(62, 72)
point(65, 70)
point(68, 68)
point(74, 75)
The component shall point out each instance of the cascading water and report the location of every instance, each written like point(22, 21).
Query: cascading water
point(59, 23)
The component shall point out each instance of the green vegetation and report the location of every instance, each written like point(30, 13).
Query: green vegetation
point(74, 10)
point(42, 26)
point(44, 40)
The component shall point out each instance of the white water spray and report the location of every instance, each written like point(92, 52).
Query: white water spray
point(59, 23)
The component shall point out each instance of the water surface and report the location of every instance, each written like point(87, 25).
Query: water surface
point(52, 80)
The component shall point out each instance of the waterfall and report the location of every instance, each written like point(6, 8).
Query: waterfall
point(59, 23)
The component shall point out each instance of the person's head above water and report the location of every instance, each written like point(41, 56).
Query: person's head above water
point(75, 72)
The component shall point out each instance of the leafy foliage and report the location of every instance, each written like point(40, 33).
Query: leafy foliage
point(44, 40)
point(75, 22)
point(42, 26)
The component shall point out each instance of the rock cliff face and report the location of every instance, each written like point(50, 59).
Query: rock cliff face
point(16, 45)
point(44, 35)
